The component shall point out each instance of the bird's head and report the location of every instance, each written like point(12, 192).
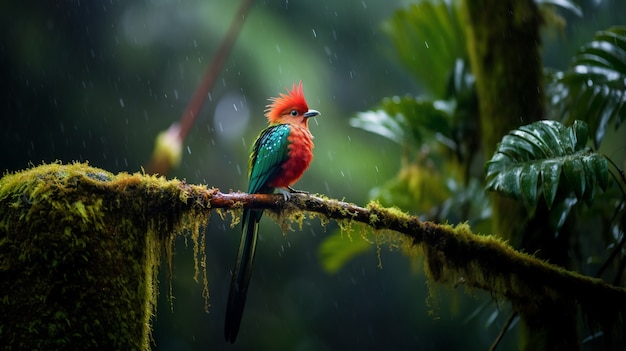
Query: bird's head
point(290, 108)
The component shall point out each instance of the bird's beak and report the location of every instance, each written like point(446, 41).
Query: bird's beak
point(311, 113)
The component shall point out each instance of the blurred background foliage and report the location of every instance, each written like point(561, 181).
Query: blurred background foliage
point(96, 81)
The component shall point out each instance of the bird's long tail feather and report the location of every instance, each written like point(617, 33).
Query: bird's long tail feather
point(241, 274)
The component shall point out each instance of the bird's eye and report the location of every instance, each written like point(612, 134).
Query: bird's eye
point(293, 113)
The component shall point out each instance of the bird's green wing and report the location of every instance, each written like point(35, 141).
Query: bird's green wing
point(269, 152)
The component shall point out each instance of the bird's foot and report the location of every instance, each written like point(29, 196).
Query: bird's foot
point(286, 192)
point(295, 191)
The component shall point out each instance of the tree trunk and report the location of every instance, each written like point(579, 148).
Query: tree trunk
point(78, 263)
point(504, 50)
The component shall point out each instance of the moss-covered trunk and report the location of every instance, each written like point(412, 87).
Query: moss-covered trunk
point(79, 256)
point(504, 48)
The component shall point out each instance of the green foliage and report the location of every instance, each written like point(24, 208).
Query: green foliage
point(438, 134)
point(441, 182)
point(406, 120)
point(414, 122)
point(593, 89)
point(336, 250)
point(428, 38)
point(550, 151)
point(418, 187)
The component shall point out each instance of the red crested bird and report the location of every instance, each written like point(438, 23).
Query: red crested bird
point(280, 155)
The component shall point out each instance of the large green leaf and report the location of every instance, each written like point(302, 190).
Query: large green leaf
point(428, 38)
point(406, 119)
point(380, 122)
point(593, 89)
point(409, 120)
point(546, 157)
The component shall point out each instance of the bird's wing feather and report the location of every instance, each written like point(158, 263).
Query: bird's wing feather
point(270, 151)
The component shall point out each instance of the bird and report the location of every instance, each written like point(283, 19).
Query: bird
point(279, 157)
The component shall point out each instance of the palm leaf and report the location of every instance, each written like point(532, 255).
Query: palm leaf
point(546, 157)
point(380, 122)
point(593, 89)
point(406, 120)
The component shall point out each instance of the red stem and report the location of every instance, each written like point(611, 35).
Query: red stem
point(199, 96)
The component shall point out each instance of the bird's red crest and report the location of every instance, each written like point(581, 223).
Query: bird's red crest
point(293, 100)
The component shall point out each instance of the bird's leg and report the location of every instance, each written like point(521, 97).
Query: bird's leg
point(286, 192)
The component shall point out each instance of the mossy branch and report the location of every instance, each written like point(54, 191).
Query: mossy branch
point(65, 226)
point(453, 254)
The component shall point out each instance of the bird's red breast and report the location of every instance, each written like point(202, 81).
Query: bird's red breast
point(299, 157)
